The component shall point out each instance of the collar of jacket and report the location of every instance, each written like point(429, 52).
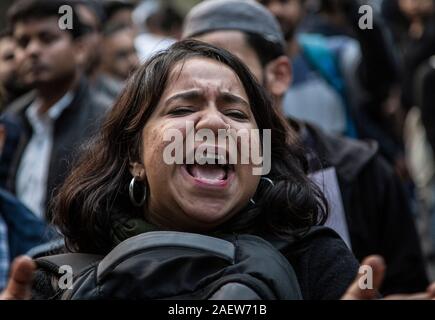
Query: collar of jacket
point(124, 228)
point(348, 156)
point(19, 107)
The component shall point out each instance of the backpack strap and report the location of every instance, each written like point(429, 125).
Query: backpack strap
point(157, 239)
point(77, 261)
point(240, 266)
point(141, 242)
point(53, 247)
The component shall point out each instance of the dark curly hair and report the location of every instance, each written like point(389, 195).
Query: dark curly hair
point(97, 189)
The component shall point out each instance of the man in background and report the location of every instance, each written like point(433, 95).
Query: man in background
point(118, 61)
point(377, 217)
point(61, 112)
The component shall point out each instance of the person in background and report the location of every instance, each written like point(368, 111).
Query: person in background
point(119, 12)
point(412, 23)
point(377, 215)
point(119, 60)
point(194, 81)
point(419, 134)
point(92, 16)
point(20, 229)
point(345, 67)
point(311, 81)
point(10, 86)
point(161, 28)
point(59, 115)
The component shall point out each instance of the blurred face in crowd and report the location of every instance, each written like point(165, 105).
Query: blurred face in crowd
point(275, 76)
point(289, 13)
point(92, 39)
point(196, 197)
point(415, 9)
point(122, 17)
point(7, 62)
point(47, 53)
point(120, 57)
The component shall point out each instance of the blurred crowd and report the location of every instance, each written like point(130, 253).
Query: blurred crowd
point(356, 83)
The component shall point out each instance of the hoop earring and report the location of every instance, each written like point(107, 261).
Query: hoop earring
point(131, 193)
point(270, 181)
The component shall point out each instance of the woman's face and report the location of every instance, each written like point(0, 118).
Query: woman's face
point(194, 197)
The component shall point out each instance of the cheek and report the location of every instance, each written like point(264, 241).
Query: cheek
point(123, 65)
point(62, 54)
point(249, 181)
point(153, 147)
point(20, 61)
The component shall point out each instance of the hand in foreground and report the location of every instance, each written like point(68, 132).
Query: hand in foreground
point(20, 282)
point(377, 264)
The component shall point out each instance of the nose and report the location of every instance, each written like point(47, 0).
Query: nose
point(211, 119)
point(33, 49)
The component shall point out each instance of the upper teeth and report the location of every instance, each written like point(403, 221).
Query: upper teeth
point(212, 159)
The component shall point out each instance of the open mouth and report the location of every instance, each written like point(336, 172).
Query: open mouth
point(213, 174)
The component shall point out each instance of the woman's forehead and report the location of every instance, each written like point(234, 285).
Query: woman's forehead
point(204, 74)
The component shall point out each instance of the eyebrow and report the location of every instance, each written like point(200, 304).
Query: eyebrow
point(225, 97)
point(229, 98)
point(186, 95)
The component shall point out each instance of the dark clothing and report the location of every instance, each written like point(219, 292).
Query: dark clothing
point(323, 264)
point(78, 122)
point(13, 133)
point(25, 230)
point(108, 87)
point(413, 51)
point(376, 207)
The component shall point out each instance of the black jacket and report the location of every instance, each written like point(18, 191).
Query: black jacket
point(72, 129)
point(377, 210)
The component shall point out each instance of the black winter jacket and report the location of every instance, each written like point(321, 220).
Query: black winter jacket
point(377, 209)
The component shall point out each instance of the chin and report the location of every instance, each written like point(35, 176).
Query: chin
point(208, 215)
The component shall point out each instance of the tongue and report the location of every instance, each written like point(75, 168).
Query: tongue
point(209, 172)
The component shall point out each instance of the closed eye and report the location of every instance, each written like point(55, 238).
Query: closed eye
point(236, 114)
point(181, 111)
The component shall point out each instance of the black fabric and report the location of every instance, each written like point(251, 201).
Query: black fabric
point(176, 265)
point(413, 51)
point(13, 136)
point(378, 73)
point(73, 128)
point(324, 266)
point(378, 215)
